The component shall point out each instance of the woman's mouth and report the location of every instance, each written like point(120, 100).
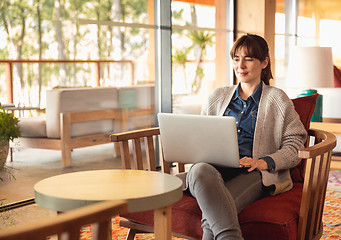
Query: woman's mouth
point(242, 73)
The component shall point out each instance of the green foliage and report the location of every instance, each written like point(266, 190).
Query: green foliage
point(134, 7)
point(180, 56)
point(202, 39)
point(9, 128)
point(177, 14)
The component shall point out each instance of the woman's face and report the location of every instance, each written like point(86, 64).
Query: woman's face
point(246, 68)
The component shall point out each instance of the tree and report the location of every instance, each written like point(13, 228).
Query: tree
point(15, 27)
point(59, 38)
point(202, 40)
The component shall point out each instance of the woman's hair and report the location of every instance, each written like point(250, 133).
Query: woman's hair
point(256, 47)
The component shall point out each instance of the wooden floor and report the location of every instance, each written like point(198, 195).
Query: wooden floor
point(32, 165)
point(336, 162)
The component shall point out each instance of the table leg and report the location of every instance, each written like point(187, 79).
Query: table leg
point(163, 223)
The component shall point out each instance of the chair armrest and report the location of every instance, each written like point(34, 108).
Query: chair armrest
point(147, 132)
point(324, 142)
point(317, 164)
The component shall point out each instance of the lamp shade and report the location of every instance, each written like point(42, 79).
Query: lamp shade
point(310, 67)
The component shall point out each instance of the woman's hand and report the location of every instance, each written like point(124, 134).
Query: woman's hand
point(253, 164)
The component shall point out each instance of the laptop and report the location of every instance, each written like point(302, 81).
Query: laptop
point(196, 138)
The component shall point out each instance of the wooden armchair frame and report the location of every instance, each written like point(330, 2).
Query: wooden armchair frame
point(317, 160)
point(70, 223)
point(66, 143)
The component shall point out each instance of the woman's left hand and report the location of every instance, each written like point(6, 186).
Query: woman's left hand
point(253, 164)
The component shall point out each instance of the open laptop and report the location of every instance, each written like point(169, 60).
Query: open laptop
point(195, 138)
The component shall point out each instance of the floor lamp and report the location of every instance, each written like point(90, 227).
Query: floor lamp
point(310, 68)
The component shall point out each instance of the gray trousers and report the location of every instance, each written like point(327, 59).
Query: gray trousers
point(222, 193)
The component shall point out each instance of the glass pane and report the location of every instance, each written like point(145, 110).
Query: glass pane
point(196, 34)
point(280, 23)
point(305, 27)
point(331, 38)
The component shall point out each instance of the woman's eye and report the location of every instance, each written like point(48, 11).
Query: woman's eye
point(249, 59)
point(235, 59)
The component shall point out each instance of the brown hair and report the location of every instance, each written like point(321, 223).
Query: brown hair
point(256, 47)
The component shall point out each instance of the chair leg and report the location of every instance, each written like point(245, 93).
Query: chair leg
point(131, 234)
point(11, 153)
point(117, 152)
point(66, 157)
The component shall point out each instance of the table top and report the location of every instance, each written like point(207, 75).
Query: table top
point(143, 190)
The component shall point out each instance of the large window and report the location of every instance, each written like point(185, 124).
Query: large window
point(90, 44)
point(127, 36)
point(119, 31)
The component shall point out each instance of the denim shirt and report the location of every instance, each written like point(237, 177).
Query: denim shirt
point(245, 113)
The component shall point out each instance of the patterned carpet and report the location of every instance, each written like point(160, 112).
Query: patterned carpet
point(331, 217)
point(332, 207)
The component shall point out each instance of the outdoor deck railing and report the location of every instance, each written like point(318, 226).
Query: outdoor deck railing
point(9, 70)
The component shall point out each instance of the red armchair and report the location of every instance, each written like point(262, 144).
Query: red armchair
point(284, 216)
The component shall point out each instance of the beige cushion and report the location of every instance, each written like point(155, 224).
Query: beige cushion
point(33, 126)
point(86, 99)
point(78, 100)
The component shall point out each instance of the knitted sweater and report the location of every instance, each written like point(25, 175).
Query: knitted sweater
point(279, 133)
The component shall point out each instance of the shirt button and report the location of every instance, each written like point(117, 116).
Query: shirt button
point(238, 130)
point(242, 112)
point(236, 122)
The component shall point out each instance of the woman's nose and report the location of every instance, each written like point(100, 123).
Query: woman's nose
point(241, 63)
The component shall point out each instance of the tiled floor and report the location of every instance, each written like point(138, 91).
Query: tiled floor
point(31, 165)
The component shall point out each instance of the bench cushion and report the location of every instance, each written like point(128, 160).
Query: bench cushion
point(33, 127)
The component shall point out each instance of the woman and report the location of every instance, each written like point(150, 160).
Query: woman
point(270, 134)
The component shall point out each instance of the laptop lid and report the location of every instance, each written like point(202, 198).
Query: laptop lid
point(196, 138)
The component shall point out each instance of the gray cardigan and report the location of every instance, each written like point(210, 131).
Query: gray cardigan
point(279, 133)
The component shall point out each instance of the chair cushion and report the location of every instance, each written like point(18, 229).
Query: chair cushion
point(305, 107)
point(186, 217)
point(273, 217)
point(33, 127)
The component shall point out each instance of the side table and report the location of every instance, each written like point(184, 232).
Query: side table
point(143, 190)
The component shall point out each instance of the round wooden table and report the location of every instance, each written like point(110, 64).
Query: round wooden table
point(143, 190)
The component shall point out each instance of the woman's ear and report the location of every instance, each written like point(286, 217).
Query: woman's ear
point(265, 63)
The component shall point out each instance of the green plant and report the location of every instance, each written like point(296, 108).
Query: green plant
point(9, 128)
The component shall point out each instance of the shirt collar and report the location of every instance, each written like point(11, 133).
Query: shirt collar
point(255, 96)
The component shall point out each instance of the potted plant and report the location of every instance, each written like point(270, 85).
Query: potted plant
point(9, 129)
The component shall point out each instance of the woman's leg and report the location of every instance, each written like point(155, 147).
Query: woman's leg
point(216, 203)
point(220, 211)
point(245, 188)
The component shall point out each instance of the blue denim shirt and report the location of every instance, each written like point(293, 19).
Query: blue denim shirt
point(245, 113)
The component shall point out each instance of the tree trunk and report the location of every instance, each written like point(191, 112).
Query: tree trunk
point(59, 37)
point(40, 52)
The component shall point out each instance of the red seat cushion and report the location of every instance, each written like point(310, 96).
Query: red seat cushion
point(186, 217)
point(273, 217)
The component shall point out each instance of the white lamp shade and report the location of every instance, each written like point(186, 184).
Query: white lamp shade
point(310, 67)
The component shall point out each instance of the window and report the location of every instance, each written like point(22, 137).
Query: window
point(202, 35)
